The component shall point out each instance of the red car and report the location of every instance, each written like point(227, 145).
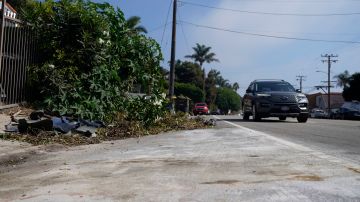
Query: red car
point(200, 108)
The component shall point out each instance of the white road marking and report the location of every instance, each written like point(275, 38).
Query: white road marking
point(346, 163)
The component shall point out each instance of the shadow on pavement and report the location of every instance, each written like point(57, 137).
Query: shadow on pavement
point(251, 121)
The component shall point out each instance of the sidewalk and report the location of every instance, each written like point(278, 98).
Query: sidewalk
point(229, 164)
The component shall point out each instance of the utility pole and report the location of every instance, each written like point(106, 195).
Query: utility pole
point(329, 60)
point(301, 78)
point(172, 59)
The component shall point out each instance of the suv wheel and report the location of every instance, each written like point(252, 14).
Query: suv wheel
point(282, 118)
point(302, 119)
point(246, 116)
point(255, 115)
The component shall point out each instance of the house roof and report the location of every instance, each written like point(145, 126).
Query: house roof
point(8, 6)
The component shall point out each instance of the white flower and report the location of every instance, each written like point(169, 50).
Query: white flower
point(163, 95)
point(51, 66)
point(101, 41)
point(158, 102)
point(106, 33)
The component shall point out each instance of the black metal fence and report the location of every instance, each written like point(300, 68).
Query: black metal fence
point(18, 52)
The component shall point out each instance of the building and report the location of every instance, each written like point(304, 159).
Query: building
point(9, 10)
point(320, 100)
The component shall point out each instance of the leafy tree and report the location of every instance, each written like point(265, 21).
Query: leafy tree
point(352, 91)
point(202, 54)
point(228, 99)
point(210, 88)
point(89, 61)
point(235, 86)
point(189, 90)
point(219, 80)
point(343, 79)
point(133, 24)
point(188, 72)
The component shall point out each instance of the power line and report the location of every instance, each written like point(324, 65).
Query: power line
point(160, 27)
point(272, 36)
point(183, 32)
point(269, 13)
point(299, 1)
point(167, 18)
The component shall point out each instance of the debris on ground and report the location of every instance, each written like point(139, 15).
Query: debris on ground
point(40, 127)
point(210, 122)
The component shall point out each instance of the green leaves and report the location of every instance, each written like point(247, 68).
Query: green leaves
point(90, 61)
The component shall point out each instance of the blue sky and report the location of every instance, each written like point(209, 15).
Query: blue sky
point(244, 58)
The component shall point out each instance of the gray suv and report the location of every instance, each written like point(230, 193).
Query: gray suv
point(274, 98)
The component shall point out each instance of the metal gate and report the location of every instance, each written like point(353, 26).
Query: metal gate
point(17, 52)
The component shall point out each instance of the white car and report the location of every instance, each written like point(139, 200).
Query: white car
point(318, 113)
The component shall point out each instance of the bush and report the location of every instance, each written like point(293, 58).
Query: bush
point(189, 90)
point(227, 99)
point(90, 59)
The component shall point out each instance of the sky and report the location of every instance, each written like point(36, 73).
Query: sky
point(244, 58)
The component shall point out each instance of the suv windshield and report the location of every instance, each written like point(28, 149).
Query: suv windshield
point(200, 105)
point(274, 86)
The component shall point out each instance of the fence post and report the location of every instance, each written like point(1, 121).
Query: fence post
point(3, 2)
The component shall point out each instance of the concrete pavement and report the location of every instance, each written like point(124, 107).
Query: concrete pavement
point(227, 164)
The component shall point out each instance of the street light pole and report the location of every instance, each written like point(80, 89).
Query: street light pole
point(329, 61)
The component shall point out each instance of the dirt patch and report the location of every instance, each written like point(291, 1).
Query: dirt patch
point(171, 162)
point(54, 147)
point(253, 156)
point(356, 170)
point(307, 178)
point(12, 161)
point(222, 182)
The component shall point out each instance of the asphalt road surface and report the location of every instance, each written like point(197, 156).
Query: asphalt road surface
point(339, 138)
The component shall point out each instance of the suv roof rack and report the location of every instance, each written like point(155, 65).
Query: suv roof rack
point(268, 80)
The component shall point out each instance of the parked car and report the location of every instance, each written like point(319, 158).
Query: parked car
point(274, 98)
point(318, 113)
point(201, 108)
point(346, 114)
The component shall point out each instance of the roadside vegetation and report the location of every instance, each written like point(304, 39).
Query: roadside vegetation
point(91, 62)
point(218, 92)
point(351, 85)
point(94, 64)
point(121, 128)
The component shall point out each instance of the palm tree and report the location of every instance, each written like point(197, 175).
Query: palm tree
point(202, 54)
point(133, 24)
point(343, 79)
point(235, 86)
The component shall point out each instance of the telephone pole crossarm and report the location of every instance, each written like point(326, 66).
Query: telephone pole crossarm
point(329, 61)
point(301, 78)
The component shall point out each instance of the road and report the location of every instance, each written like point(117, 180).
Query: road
point(340, 138)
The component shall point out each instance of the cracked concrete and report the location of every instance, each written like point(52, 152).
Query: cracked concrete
point(228, 164)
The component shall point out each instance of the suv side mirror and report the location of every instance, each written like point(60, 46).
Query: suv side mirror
point(298, 90)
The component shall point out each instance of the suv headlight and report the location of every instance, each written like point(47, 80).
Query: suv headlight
point(301, 98)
